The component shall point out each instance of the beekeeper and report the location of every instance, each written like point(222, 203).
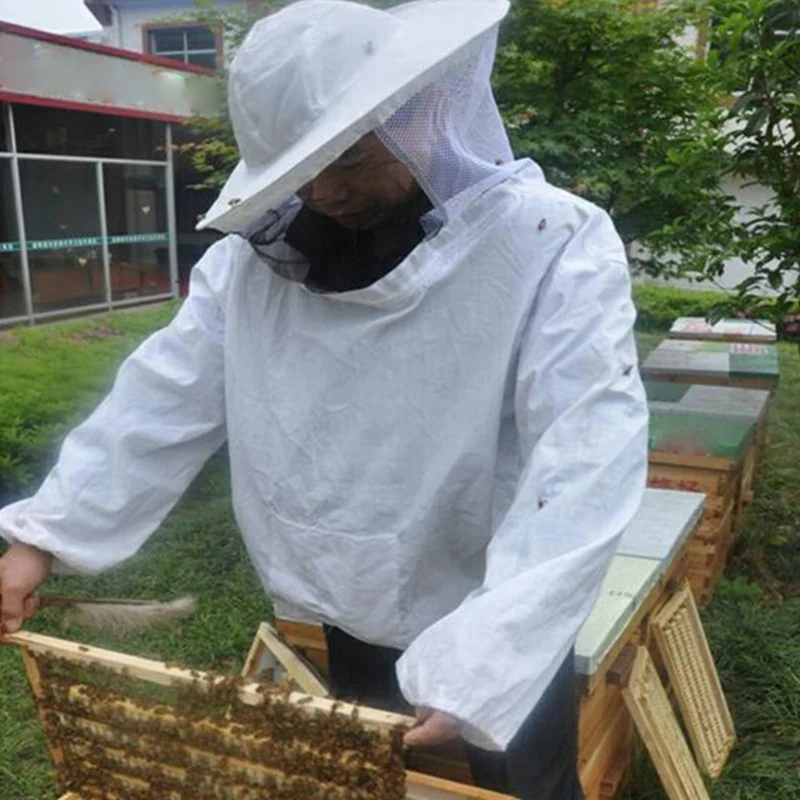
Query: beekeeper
point(421, 357)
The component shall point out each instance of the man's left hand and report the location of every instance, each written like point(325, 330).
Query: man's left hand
point(435, 727)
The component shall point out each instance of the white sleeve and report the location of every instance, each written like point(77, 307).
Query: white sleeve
point(121, 471)
point(582, 420)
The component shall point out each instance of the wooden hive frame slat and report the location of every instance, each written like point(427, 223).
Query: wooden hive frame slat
point(684, 647)
point(35, 681)
point(167, 675)
point(144, 745)
point(130, 764)
point(156, 721)
point(654, 719)
point(421, 787)
point(106, 736)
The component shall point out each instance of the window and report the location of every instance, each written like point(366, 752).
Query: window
point(190, 44)
point(56, 131)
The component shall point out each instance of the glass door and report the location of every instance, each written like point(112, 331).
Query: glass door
point(138, 233)
point(64, 234)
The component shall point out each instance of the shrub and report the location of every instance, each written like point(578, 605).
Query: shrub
point(659, 306)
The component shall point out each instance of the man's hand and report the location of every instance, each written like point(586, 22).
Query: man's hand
point(23, 569)
point(436, 727)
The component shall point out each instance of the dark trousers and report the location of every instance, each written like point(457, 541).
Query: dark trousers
point(541, 763)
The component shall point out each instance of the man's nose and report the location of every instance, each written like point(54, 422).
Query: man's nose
point(324, 190)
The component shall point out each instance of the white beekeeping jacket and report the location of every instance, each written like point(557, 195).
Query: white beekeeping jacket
point(440, 462)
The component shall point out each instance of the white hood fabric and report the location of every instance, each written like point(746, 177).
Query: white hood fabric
point(441, 462)
point(313, 78)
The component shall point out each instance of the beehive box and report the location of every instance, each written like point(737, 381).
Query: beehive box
point(726, 330)
point(652, 560)
point(748, 366)
point(126, 728)
point(716, 401)
point(710, 454)
point(726, 401)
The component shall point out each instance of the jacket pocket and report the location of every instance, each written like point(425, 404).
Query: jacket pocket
point(346, 579)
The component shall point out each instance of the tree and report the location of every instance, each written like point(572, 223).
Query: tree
point(755, 46)
point(616, 109)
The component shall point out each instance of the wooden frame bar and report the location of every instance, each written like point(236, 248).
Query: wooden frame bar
point(683, 645)
point(103, 737)
point(652, 713)
point(167, 675)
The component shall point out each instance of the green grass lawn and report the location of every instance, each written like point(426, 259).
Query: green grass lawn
point(753, 622)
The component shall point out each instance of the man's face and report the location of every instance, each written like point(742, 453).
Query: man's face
point(364, 188)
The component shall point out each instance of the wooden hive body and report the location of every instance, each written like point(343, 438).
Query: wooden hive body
point(651, 562)
point(715, 455)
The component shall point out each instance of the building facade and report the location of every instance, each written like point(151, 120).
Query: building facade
point(88, 212)
point(162, 28)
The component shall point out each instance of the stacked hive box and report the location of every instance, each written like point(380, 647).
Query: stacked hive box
point(751, 403)
point(651, 561)
point(709, 398)
point(726, 330)
point(712, 401)
point(709, 454)
point(743, 364)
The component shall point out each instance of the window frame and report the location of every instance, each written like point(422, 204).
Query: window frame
point(148, 27)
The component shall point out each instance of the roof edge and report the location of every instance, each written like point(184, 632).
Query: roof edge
point(100, 10)
point(102, 49)
point(22, 98)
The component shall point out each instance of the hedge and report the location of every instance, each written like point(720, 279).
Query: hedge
point(659, 306)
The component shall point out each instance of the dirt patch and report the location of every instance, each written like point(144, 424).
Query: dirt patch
point(96, 332)
point(7, 338)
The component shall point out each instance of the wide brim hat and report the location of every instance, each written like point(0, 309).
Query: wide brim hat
point(312, 79)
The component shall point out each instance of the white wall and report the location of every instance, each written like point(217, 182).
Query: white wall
point(129, 16)
point(747, 197)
